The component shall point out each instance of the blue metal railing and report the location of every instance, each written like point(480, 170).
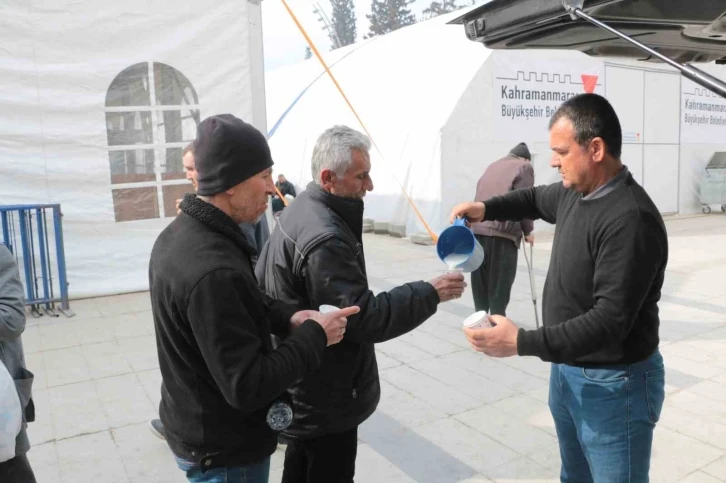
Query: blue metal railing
point(35, 251)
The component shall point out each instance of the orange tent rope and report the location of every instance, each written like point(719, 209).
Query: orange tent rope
point(284, 200)
point(355, 113)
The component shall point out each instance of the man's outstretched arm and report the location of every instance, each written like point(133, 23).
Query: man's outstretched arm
point(333, 276)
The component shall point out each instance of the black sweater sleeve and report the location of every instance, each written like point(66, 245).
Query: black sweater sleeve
point(230, 343)
point(525, 180)
point(629, 257)
point(540, 202)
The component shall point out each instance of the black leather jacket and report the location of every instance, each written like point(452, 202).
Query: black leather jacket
point(314, 257)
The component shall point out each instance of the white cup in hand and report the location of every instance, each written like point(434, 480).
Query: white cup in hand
point(333, 320)
point(326, 309)
point(477, 320)
point(453, 270)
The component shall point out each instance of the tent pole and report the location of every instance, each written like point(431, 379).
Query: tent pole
point(704, 79)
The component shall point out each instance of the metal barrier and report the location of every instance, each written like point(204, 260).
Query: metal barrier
point(34, 251)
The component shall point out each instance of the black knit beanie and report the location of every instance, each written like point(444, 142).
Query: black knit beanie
point(228, 151)
point(522, 151)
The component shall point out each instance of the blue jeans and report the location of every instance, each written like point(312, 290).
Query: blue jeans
point(605, 418)
point(253, 473)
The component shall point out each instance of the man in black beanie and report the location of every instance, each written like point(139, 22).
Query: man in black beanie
point(256, 233)
point(223, 384)
point(491, 283)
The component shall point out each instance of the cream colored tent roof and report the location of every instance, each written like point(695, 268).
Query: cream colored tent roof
point(404, 86)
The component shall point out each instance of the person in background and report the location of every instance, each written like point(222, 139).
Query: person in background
point(315, 257)
point(12, 325)
point(600, 305)
point(223, 384)
point(257, 235)
point(491, 283)
point(286, 189)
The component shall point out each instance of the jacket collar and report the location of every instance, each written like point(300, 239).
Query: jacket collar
point(215, 219)
point(349, 209)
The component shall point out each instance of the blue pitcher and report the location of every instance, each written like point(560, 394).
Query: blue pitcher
point(459, 248)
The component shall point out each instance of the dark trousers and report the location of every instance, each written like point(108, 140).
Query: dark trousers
point(17, 470)
point(491, 283)
point(326, 459)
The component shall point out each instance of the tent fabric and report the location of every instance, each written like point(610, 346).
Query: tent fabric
point(404, 86)
point(98, 99)
point(440, 108)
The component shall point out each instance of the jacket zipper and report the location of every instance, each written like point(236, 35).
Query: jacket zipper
point(355, 394)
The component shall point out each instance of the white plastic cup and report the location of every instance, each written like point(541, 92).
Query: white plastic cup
point(326, 309)
point(454, 270)
point(477, 320)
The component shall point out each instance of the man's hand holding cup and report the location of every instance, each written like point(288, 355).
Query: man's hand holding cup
point(332, 319)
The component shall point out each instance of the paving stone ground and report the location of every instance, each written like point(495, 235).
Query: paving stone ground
point(447, 414)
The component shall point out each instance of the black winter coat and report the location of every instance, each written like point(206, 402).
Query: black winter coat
point(213, 333)
point(314, 257)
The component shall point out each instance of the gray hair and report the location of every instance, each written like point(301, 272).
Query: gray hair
point(334, 150)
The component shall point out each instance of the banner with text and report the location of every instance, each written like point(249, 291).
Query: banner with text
point(528, 91)
point(703, 115)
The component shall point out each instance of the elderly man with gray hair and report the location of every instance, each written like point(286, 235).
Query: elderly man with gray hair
point(315, 257)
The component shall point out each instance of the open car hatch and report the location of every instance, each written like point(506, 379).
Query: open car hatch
point(676, 32)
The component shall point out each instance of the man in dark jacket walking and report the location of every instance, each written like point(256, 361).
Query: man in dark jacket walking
point(315, 257)
point(223, 383)
point(491, 283)
point(12, 325)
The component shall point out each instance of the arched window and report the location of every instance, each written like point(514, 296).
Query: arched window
point(152, 112)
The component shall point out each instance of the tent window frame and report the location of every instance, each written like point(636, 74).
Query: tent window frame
point(146, 137)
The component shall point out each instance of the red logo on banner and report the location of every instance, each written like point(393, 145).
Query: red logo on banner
point(589, 82)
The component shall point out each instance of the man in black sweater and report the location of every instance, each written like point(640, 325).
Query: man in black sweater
point(600, 305)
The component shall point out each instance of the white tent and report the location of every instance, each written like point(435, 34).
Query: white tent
point(441, 108)
point(97, 101)
point(99, 98)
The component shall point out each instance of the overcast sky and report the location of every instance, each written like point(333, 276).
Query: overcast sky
point(283, 42)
